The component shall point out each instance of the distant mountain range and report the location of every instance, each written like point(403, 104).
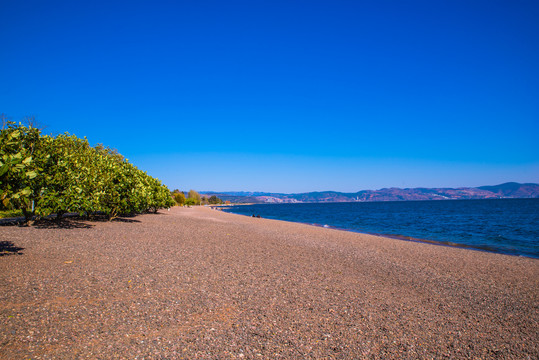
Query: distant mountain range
point(508, 190)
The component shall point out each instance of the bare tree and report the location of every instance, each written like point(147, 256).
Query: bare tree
point(31, 122)
point(4, 119)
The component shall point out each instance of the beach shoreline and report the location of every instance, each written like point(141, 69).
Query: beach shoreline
point(199, 283)
point(406, 238)
point(480, 224)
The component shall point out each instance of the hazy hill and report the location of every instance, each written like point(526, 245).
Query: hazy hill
point(507, 190)
point(513, 189)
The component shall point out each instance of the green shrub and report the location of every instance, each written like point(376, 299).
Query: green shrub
point(179, 197)
point(45, 175)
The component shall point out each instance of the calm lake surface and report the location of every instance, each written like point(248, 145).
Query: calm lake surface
point(508, 226)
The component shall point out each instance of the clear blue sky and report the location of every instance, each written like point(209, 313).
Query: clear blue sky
point(285, 96)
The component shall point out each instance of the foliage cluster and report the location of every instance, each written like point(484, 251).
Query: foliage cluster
point(193, 198)
point(10, 214)
point(179, 197)
point(42, 175)
point(214, 200)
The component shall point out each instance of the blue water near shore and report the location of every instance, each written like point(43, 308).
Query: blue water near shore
point(508, 226)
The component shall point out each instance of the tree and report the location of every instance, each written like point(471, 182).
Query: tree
point(63, 176)
point(45, 175)
point(179, 197)
point(17, 166)
point(214, 200)
point(195, 196)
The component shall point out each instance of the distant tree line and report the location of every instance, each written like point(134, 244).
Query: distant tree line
point(42, 175)
point(194, 198)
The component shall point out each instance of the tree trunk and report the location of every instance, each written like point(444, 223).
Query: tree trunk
point(112, 215)
point(28, 217)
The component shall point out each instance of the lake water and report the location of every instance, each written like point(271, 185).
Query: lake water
point(508, 226)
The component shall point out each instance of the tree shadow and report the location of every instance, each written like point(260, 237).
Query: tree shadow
point(11, 221)
point(125, 220)
point(8, 248)
point(160, 213)
point(64, 223)
point(68, 221)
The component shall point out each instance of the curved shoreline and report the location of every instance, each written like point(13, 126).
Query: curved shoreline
point(487, 249)
point(427, 241)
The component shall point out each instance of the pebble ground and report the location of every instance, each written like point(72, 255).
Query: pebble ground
point(196, 283)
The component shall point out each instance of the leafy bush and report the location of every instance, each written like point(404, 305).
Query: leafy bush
point(45, 175)
point(195, 196)
point(10, 214)
point(18, 169)
point(214, 200)
point(179, 197)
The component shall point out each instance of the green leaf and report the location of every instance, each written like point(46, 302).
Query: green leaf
point(31, 174)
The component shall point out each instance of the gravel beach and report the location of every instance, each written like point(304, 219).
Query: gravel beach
point(200, 283)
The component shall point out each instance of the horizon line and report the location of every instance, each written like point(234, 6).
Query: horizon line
point(353, 192)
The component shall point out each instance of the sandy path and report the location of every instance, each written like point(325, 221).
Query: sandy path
point(199, 283)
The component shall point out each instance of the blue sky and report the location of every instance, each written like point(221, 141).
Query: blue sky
point(285, 96)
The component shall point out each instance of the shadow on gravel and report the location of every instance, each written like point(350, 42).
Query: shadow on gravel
point(68, 221)
point(8, 248)
point(62, 224)
point(125, 220)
